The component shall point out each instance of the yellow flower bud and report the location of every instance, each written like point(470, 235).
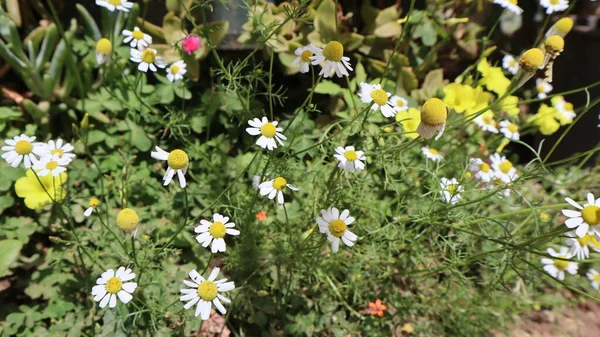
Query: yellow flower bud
point(531, 60)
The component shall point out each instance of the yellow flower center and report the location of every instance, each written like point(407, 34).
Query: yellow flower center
point(217, 230)
point(114, 285)
point(564, 25)
point(591, 215)
point(207, 290)
point(585, 240)
point(379, 96)
point(148, 56)
point(350, 155)
point(512, 127)
point(103, 46)
point(337, 227)
point(23, 147)
point(561, 264)
point(433, 151)
point(452, 188)
point(514, 2)
point(174, 69)
point(484, 167)
point(268, 130)
point(532, 59)
point(488, 120)
point(333, 51)
point(137, 34)
point(59, 152)
point(596, 278)
point(505, 166)
point(279, 183)
point(554, 2)
point(512, 63)
point(568, 106)
point(555, 43)
point(434, 112)
point(178, 159)
point(94, 202)
point(51, 165)
point(305, 56)
point(399, 103)
point(128, 220)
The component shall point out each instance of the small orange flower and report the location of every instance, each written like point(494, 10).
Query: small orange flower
point(377, 308)
point(261, 216)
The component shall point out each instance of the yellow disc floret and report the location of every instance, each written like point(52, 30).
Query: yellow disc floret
point(305, 56)
point(512, 127)
point(207, 290)
point(434, 112)
point(333, 51)
point(58, 151)
point(337, 227)
point(115, 2)
point(174, 69)
point(128, 220)
point(591, 215)
point(350, 155)
point(217, 230)
point(555, 44)
point(103, 46)
point(531, 59)
point(434, 151)
point(148, 56)
point(544, 216)
point(564, 25)
point(561, 264)
point(484, 167)
point(23, 147)
point(137, 34)
point(114, 285)
point(268, 130)
point(51, 165)
point(178, 159)
point(94, 202)
point(379, 96)
point(279, 183)
point(505, 166)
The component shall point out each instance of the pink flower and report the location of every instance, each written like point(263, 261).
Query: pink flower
point(191, 43)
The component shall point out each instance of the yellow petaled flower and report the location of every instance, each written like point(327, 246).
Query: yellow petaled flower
point(128, 221)
point(459, 97)
point(531, 60)
point(544, 216)
point(37, 195)
point(493, 77)
point(410, 122)
point(482, 100)
point(510, 105)
point(103, 50)
point(562, 27)
point(433, 118)
point(546, 119)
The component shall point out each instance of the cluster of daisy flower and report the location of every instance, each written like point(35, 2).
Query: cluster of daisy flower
point(496, 172)
point(551, 6)
point(54, 156)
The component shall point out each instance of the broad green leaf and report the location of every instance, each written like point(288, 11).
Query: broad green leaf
point(138, 137)
point(9, 252)
point(328, 87)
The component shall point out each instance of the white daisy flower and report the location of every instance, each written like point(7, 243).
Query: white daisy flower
point(111, 5)
point(543, 87)
point(215, 232)
point(564, 108)
point(510, 130)
point(21, 148)
point(553, 6)
point(176, 71)
point(178, 162)
point(274, 188)
point(91, 206)
point(510, 63)
point(511, 5)
point(269, 133)
point(503, 168)
point(482, 170)
point(53, 165)
point(304, 54)
point(586, 218)
point(372, 93)
point(204, 292)
point(350, 159)
point(580, 247)
point(431, 153)
point(62, 150)
point(137, 38)
point(335, 225)
point(451, 190)
point(147, 59)
point(333, 56)
point(594, 278)
point(557, 268)
point(486, 122)
point(110, 286)
point(399, 103)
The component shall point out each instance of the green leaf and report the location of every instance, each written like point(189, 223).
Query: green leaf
point(171, 28)
point(138, 137)
point(6, 201)
point(328, 88)
point(9, 252)
point(325, 22)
